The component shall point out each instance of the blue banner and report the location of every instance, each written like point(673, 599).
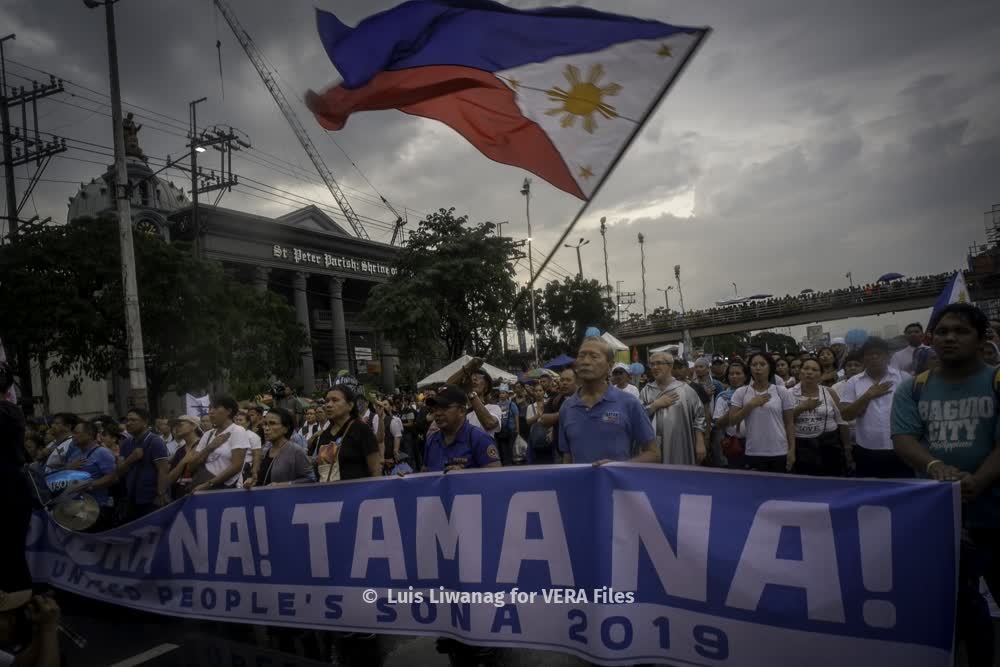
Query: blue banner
point(617, 564)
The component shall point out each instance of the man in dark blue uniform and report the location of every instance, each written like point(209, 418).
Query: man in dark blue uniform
point(458, 444)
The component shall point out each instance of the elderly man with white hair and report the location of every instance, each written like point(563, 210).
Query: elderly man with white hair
point(677, 413)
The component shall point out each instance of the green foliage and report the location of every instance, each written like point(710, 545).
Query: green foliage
point(774, 342)
point(62, 299)
point(564, 310)
point(452, 291)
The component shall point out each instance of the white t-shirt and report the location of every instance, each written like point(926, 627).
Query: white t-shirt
point(824, 419)
point(765, 426)
point(494, 410)
point(872, 429)
point(254, 439)
point(721, 410)
point(396, 427)
point(222, 457)
point(902, 360)
point(630, 389)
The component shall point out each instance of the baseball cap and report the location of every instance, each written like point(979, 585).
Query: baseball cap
point(504, 387)
point(718, 359)
point(448, 394)
point(621, 367)
point(187, 419)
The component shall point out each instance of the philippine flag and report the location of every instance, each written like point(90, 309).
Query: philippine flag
point(955, 292)
point(558, 91)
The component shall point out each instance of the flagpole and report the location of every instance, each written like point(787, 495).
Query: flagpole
point(702, 35)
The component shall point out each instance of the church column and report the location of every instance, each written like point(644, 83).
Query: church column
point(388, 357)
point(302, 312)
point(260, 278)
point(340, 357)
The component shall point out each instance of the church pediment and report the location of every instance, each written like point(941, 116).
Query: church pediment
point(311, 217)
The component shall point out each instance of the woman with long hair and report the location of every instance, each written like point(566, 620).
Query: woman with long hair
point(731, 439)
point(828, 366)
point(822, 437)
point(282, 462)
point(768, 412)
point(347, 449)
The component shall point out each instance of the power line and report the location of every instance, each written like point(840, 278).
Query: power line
point(178, 128)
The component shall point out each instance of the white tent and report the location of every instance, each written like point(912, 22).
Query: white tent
point(440, 376)
point(615, 343)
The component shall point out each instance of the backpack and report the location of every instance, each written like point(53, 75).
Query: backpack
point(921, 380)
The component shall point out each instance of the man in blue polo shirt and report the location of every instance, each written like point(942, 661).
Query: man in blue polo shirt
point(99, 463)
point(458, 444)
point(601, 423)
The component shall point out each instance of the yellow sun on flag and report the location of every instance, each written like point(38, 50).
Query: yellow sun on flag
point(585, 98)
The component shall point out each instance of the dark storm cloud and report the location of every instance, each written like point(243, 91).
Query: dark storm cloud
point(807, 139)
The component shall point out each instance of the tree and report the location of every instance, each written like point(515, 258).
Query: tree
point(564, 310)
point(452, 292)
point(774, 342)
point(62, 298)
point(727, 344)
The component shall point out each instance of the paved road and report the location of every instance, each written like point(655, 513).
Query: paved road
point(119, 637)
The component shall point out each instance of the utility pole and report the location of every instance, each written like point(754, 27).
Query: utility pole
point(133, 321)
point(526, 191)
point(680, 293)
point(624, 300)
point(13, 156)
point(850, 277)
point(666, 295)
point(195, 149)
point(604, 241)
point(579, 262)
point(8, 150)
point(642, 259)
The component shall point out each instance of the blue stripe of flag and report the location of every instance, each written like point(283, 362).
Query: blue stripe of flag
point(482, 34)
point(944, 300)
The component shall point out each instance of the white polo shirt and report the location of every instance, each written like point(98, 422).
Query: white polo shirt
point(873, 428)
point(222, 457)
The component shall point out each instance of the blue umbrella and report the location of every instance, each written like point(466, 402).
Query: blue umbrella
point(889, 277)
point(562, 361)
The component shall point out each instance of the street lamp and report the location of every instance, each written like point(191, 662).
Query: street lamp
point(736, 291)
point(582, 242)
point(526, 191)
point(133, 323)
point(666, 295)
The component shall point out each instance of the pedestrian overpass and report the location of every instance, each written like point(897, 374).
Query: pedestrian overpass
point(893, 297)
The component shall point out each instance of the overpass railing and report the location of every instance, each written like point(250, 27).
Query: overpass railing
point(901, 290)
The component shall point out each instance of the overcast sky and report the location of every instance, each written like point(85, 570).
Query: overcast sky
point(807, 139)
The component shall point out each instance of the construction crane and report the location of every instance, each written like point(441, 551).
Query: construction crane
point(279, 98)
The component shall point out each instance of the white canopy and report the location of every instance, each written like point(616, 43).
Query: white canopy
point(443, 374)
point(615, 343)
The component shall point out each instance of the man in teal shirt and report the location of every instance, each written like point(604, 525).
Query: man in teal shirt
point(945, 426)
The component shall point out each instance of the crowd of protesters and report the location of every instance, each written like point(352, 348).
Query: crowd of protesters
point(929, 410)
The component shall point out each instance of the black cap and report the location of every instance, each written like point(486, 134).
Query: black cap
point(718, 359)
point(447, 394)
